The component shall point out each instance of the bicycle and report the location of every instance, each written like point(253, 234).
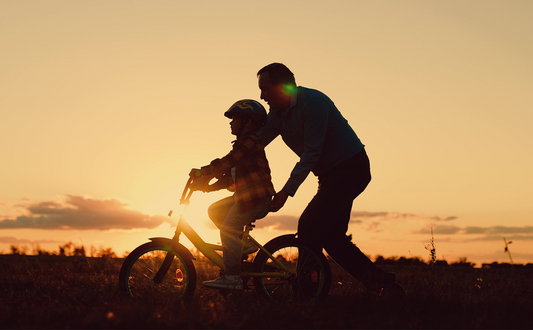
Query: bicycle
point(283, 270)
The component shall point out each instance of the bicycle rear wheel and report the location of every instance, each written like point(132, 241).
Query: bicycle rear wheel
point(309, 272)
point(154, 271)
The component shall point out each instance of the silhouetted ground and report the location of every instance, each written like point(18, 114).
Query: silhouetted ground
point(61, 292)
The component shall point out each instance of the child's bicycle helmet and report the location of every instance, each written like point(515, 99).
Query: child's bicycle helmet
point(250, 108)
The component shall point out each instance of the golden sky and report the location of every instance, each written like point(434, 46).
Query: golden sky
point(106, 105)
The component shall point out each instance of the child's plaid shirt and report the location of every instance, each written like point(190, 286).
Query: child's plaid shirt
point(252, 173)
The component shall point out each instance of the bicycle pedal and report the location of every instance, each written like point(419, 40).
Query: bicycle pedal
point(245, 283)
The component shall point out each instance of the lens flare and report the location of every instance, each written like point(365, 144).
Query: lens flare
point(287, 89)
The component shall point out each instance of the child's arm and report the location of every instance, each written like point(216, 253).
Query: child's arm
point(223, 181)
point(201, 182)
point(249, 144)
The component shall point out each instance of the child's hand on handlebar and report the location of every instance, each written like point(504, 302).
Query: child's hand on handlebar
point(195, 173)
point(200, 182)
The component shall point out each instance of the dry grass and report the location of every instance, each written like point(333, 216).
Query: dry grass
point(77, 292)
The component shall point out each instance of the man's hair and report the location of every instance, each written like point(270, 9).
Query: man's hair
point(278, 73)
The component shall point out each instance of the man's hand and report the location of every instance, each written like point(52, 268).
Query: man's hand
point(279, 200)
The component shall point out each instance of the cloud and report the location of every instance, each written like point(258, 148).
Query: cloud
point(497, 230)
point(441, 229)
point(490, 233)
point(360, 216)
point(364, 214)
point(381, 221)
point(81, 213)
point(445, 219)
point(508, 238)
point(278, 222)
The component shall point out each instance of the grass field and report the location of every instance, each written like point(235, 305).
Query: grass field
point(62, 292)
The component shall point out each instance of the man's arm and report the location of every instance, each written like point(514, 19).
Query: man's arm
point(279, 200)
point(316, 113)
point(268, 132)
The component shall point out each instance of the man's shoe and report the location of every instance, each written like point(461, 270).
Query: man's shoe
point(228, 282)
point(392, 290)
point(249, 247)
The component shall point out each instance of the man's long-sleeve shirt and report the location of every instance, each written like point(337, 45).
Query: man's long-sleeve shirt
point(252, 173)
point(315, 130)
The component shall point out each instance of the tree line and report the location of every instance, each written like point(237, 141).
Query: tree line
point(68, 249)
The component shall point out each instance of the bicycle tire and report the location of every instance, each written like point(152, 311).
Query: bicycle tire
point(311, 278)
point(138, 274)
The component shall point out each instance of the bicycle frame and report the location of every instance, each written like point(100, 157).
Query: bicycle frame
point(210, 250)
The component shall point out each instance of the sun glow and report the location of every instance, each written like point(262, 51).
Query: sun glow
point(196, 215)
point(124, 122)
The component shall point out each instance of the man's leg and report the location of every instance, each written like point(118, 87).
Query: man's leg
point(326, 218)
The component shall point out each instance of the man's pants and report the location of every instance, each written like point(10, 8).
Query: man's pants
point(324, 222)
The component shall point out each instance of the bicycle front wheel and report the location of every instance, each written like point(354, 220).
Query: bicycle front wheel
point(306, 275)
point(155, 271)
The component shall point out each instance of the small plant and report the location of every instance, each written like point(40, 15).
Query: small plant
point(432, 249)
point(507, 250)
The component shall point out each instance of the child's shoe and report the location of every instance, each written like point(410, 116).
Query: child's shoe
point(249, 247)
point(228, 282)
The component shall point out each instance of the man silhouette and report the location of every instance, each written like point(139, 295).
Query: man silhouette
point(313, 128)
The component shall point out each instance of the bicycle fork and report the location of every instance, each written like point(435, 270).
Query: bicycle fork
point(165, 266)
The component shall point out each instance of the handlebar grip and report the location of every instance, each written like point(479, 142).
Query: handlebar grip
point(184, 196)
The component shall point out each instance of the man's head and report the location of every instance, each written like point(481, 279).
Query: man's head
point(276, 83)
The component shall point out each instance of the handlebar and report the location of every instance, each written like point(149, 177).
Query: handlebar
point(185, 196)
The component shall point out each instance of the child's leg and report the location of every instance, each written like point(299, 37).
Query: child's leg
point(231, 228)
point(219, 210)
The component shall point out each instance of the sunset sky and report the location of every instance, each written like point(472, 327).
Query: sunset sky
point(107, 105)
